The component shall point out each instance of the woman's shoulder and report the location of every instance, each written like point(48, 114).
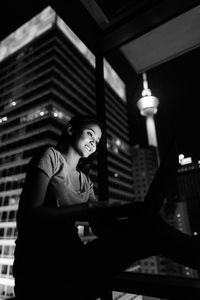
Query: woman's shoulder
point(50, 150)
point(46, 151)
point(47, 158)
point(54, 155)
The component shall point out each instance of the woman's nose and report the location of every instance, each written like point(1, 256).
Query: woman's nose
point(93, 143)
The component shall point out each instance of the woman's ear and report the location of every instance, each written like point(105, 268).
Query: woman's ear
point(69, 130)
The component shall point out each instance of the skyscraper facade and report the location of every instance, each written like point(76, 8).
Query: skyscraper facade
point(174, 211)
point(145, 164)
point(47, 75)
point(189, 192)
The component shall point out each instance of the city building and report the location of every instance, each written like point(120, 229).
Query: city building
point(174, 211)
point(146, 161)
point(47, 75)
point(145, 164)
point(189, 190)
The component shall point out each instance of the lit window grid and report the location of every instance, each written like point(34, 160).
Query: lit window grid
point(6, 270)
point(38, 113)
point(8, 230)
point(41, 23)
point(7, 249)
point(41, 114)
point(8, 200)
point(8, 214)
point(6, 287)
point(12, 184)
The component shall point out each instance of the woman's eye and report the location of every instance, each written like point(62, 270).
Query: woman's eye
point(89, 133)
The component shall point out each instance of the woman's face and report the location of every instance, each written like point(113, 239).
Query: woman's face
point(86, 142)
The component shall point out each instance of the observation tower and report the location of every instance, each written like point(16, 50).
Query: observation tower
point(148, 105)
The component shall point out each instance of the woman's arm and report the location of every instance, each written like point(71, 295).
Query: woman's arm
point(31, 208)
point(34, 190)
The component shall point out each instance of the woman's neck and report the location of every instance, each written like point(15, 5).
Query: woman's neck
point(71, 158)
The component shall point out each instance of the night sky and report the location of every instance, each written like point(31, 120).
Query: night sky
point(177, 85)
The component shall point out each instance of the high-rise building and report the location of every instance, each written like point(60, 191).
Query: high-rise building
point(46, 76)
point(189, 191)
point(145, 164)
point(174, 211)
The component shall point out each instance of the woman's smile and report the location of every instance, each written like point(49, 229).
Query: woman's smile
point(86, 143)
point(88, 148)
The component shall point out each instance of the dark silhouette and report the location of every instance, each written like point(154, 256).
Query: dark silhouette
point(51, 262)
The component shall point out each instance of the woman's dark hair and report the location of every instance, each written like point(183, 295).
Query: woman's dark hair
point(77, 124)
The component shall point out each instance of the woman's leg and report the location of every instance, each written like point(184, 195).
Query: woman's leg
point(133, 239)
point(178, 246)
point(128, 241)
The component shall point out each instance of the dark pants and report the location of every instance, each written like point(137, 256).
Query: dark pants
point(136, 238)
point(86, 271)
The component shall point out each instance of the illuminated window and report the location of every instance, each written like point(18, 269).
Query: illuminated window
point(60, 115)
point(6, 250)
point(9, 232)
point(3, 119)
point(38, 113)
point(4, 269)
point(10, 271)
point(80, 230)
point(34, 115)
point(115, 149)
point(12, 103)
point(118, 142)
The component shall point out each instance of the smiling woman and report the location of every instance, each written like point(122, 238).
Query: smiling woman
point(54, 185)
point(86, 142)
point(51, 261)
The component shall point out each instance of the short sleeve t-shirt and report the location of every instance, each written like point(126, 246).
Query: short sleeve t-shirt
point(60, 191)
point(57, 237)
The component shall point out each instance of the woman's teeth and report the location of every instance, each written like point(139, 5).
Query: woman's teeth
point(88, 148)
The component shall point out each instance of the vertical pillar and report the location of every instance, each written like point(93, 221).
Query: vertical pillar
point(102, 151)
point(101, 116)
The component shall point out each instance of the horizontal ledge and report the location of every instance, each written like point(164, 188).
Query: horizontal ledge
point(160, 286)
point(156, 285)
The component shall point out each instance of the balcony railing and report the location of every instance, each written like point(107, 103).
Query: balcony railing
point(160, 286)
point(153, 285)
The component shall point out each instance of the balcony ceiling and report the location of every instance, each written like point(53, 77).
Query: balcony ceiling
point(148, 32)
